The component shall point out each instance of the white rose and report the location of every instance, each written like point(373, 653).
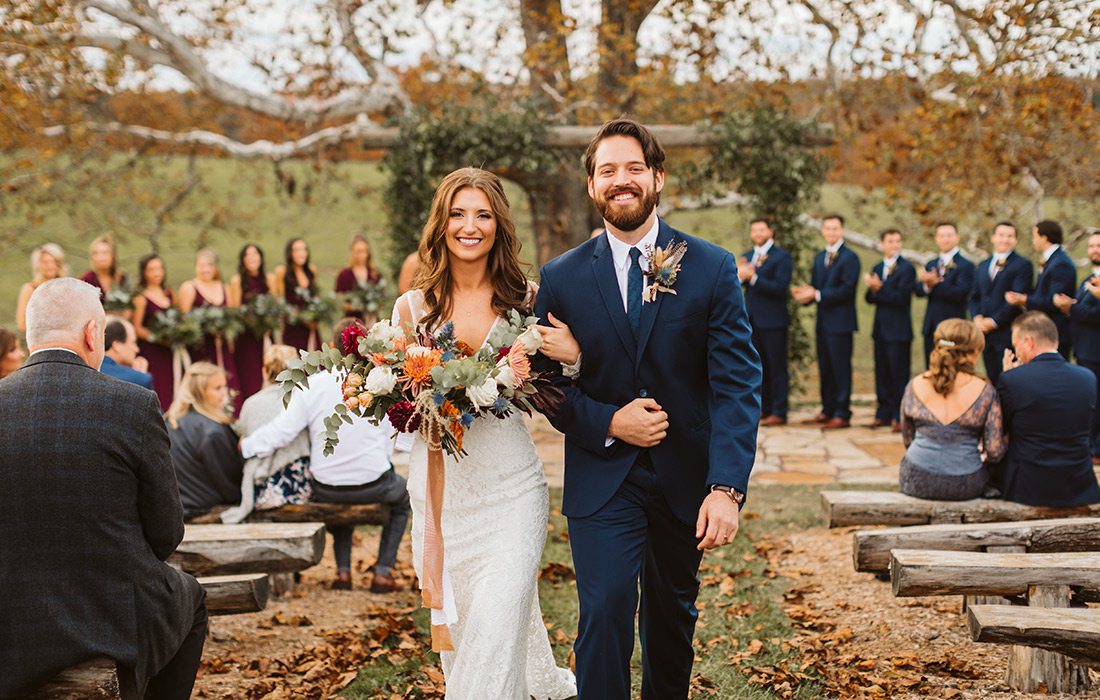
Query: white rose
point(380, 380)
point(531, 339)
point(483, 395)
point(506, 377)
point(385, 332)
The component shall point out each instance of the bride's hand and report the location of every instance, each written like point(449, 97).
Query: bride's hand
point(558, 342)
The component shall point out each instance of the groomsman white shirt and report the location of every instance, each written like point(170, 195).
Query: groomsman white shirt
point(1049, 252)
point(887, 263)
point(759, 251)
point(620, 256)
point(945, 258)
point(995, 263)
point(363, 454)
point(834, 248)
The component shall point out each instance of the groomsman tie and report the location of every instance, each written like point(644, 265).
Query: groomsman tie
point(830, 258)
point(634, 292)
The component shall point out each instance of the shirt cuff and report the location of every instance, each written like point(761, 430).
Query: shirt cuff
point(609, 442)
point(574, 370)
point(817, 295)
point(753, 280)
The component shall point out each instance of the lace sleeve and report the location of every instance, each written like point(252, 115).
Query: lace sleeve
point(908, 408)
point(993, 433)
point(407, 311)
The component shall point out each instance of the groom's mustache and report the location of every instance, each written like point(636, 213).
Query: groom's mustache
point(637, 191)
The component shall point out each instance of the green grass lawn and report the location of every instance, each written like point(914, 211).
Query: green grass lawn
point(741, 600)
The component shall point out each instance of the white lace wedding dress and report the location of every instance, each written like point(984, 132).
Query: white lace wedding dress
point(495, 507)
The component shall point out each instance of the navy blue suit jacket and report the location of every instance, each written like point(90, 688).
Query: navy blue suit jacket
point(1048, 405)
point(893, 322)
point(694, 356)
point(836, 312)
point(767, 298)
point(1058, 276)
point(126, 374)
point(1085, 322)
point(949, 298)
point(988, 296)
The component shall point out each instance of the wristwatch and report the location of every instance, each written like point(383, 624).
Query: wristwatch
point(735, 495)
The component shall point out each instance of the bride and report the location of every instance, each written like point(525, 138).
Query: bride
point(495, 499)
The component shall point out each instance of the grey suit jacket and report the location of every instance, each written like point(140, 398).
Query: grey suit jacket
point(89, 510)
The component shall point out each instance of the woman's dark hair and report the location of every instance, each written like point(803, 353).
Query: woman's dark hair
point(245, 274)
point(7, 341)
point(144, 263)
point(305, 268)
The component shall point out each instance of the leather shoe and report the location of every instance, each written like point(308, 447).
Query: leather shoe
point(342, 582)
point(381, 583)
point(895, 427)
point(877, 423)
point(774, 420)
point(836, 423)
point(816, 420)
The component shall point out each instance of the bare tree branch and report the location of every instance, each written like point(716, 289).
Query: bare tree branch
point(344, 10)
point(834, 32)
point(142, 53)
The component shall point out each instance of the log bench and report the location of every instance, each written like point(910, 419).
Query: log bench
point(269, 548)
point(845, 508)
point(871, 548)
point(334, 514)
point(225, 595)
point(1074, 632)
point(1045, 581)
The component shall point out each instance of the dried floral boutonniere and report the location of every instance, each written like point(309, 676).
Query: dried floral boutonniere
point(1001, 264)
point(760, 261)
point(664, 265)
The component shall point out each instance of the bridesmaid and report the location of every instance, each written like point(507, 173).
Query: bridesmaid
point(207, 289)
point(104, 273)
point(47, 263)
point(297, 273)
point(11, 353)
point(360, 272)
point(250, 282)
point(150, 298)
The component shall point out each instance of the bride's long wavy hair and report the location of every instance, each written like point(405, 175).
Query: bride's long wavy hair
point(506, 271)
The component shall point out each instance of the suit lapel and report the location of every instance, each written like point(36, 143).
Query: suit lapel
point(603, 267)
point(650, 309)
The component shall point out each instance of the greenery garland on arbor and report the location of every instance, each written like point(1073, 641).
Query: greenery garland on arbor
point(765, 155)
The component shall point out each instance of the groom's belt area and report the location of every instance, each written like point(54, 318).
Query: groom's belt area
point(644, 459)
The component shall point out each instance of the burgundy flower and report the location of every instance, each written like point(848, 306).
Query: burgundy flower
point(400, 415)
point(350, 338)
point(503, 352)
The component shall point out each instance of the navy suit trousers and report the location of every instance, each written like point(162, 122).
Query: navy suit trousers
point(892, 365)
point(635, 537)
point(1094, 439)
point(772, 346)
point(834, 367)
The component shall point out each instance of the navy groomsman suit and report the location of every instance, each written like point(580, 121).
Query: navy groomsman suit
point(1085, 323)
point(766, 296)
point(1048, 406)
point(893, 335)
point(949, 298)
point(1057, 275)
point(835, 276)
point(988, 299)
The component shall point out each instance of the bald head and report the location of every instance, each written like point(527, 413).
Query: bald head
point(66, 313)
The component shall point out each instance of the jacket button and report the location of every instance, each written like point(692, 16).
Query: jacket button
point(643, 393)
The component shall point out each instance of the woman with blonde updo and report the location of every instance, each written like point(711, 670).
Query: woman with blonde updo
point(47, 263)
point(204, 447)
point(949, 418)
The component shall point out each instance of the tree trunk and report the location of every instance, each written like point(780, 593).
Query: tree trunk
point(562, 215)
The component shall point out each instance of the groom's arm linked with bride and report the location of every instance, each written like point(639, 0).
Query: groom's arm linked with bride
point(660, 424)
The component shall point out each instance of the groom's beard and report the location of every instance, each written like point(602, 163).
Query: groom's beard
point(630, 217)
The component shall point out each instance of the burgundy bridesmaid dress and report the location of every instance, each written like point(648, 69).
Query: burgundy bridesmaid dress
point(208, 351)
point(248, 351)
point(296, 335)
point(158, 356)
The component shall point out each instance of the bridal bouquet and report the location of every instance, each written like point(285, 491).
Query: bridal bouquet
point(318, 308)
point(433, 384)
point(174, 328)
point(220, 321)
point(263, 314)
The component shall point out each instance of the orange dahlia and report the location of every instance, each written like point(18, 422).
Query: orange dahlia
point(419, 362)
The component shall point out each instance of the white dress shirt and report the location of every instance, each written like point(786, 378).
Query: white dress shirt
point(363, 454)
point(620, 257)
point(759, 251)
point(1049, 252)
point(834, 249)
point(945, 258)
point(995, 263)
point(887, 265)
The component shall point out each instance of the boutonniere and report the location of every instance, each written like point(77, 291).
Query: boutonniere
point(1001, 263)
point(949, 266)
point(890, 268)
point(830, 258)
point(760, 261)
point(664, 266)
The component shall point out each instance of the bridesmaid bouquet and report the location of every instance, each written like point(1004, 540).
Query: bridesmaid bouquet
point(174, 328)
point(318, 308)
point(263, 314)
point(220, 321)
point(433, 384)
point(118, 299)
point(369, 298)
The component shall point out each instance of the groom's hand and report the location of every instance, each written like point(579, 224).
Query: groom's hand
point(718, 521)
point(641, 422)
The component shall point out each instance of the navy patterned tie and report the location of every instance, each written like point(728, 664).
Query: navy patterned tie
point(634, 291)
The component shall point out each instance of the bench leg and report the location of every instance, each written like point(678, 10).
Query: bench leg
point(1033, 670)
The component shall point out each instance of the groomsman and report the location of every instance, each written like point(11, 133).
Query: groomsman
point(833, 288)
point(765, 272)
point(1084, 315)
point(1057, 275)
point(1004, 271)
point(890, 286)
point(946, 280)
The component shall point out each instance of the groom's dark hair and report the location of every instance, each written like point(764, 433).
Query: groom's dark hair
point(654, 154)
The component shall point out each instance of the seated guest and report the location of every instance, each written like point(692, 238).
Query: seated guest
point(91, 513)
point(949, 416)
point(1048, 405)
point(283, 476)
point(121, 359)
point(11, 353)
point(204, 447)
point(357, 471)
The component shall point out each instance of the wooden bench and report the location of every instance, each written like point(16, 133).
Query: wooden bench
point(209, 550)
point(1074, 632)
point(845, 508)
point(1044, 581)
point(871, 548)
point(334, 514)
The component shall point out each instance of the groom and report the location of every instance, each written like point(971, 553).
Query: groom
point(660, 425)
